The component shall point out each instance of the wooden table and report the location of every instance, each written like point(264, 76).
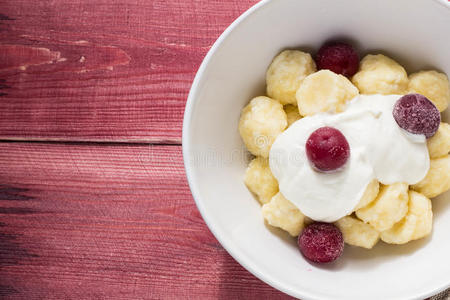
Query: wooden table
point(94, 201)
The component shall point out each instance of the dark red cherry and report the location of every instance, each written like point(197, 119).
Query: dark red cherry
point(327, 149)
point(321, 242)
point(416, 114)
point(338, 57)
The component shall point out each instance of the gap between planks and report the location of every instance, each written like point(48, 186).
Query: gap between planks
point(90, 143)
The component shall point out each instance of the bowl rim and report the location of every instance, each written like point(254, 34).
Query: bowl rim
point(186, 148)
point(446, 3)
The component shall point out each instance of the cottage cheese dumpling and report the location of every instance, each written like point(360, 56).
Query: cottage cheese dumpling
point(402, 232)
point(439, 144)
point(417, 223)
point(379, 74)
point(280, 212)
point(286, 73)
point(358, 233)
point(369, 195)
point(262, 120)
point(421, 206)
point(324, 91)
point(390, 206)
point(433, 85)
point(260, 181)
point(437, 180)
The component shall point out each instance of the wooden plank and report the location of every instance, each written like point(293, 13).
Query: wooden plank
point(78, 70)
point(108, 222)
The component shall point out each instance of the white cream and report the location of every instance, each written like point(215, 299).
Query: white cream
point(379, 149)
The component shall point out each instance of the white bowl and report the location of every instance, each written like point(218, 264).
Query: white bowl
point(416, 34)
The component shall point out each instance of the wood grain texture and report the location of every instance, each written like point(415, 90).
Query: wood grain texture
point(78, 70)
point(108, 222)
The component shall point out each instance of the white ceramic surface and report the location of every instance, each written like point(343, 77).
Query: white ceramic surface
point(414, 32)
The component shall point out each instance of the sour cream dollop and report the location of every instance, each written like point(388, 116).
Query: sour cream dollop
point(379, 149)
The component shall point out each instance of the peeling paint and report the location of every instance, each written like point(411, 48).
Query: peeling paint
point(81, 42)
point(101, 57)
point(21, 57)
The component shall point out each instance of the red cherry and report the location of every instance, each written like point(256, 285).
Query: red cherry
point(338, 57)
point(321, 242)
point(327, 149)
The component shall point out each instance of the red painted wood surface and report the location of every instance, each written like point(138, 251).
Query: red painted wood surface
point(82, 70)
point(108, 221)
